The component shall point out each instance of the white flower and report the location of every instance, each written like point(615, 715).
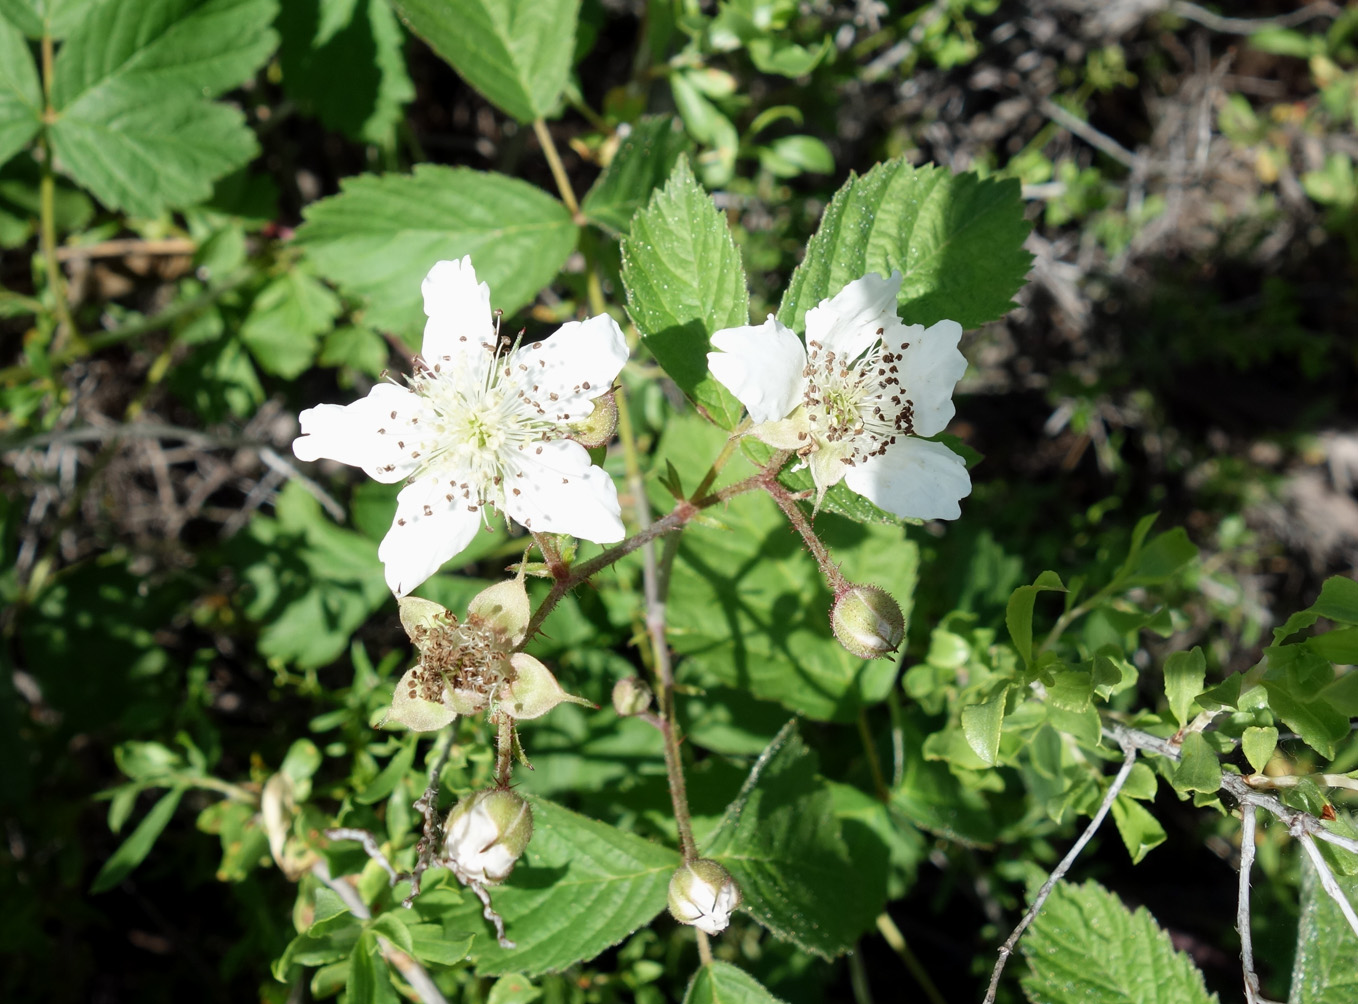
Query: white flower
point(480, 424)
point(703, 894)
point(855, 399)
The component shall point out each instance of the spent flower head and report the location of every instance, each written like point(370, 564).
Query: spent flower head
point(480, 423)
point(471, 666)
point(854, 401)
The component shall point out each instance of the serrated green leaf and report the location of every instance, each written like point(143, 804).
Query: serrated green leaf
point(20, 92)
point(684, 282)
point(54, 18)
point(1018, 612)
point(581, 887)
point(285, 322)
point(1340, 646)
point(722, 983)
point(782, 843)
point(344, 61)
point(1198, 768)
point(130, 86)
point(1136, 964)
point(958, 241)
point(433, 944)
point(132, 851)
point(379, 237)
point(748, 607)
point(1141, 832)
point(1259, 742)
point(1296, 682)
point(644, 159)
point(981, 724)
point(515, 52)
point(1184, 676)
point(1325, 969)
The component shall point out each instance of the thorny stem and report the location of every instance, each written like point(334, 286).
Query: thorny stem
point(834, 578)
point(563, 183)
point(1007, 949)
point(504, 751)
point(1253, 994)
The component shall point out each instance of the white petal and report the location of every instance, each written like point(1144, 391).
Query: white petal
point(930, 369)
point(577, 364)
point(428, 530)
point(761, 364)
point(458, 308)
point(915, 478)
point(848, 323)
point(365, 434)
point(558, 490)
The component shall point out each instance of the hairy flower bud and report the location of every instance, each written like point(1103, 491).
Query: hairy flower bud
point(631, 696)
point(598, 428)
point(703, 894)
point(485, 834)
point(867, 621)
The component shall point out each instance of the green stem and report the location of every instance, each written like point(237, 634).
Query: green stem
point(893, 937)
point(874, 762)
point(563, 183)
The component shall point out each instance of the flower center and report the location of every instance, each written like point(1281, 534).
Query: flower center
point(480, 413)
point(467, 657)
point(858, 404)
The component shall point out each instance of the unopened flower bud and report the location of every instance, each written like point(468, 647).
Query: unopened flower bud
point(867, 621)
point(703, 894)
point(631, 696)
point(485, 834)
point(598, 429)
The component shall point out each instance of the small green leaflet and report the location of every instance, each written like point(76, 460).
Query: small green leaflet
point(641, 164)
point(1184, 676)
point(20, 92)
point(379, 237)
point(722, 983)
point(581, 887)
point(684, 282)
point(134, 849)
point(130, 88)
point(781, 841)
point(515, 52)
point(957, 239)
point(1135, 962)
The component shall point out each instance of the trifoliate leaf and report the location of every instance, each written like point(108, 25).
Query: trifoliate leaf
point(580, 887)
point(344, 61)
point(379, 237)
point(1136, 962)
point(956, 238)
point(515, 52)
point(20, 92)
point(782, 843)
point(641, 164)
point(722, 983)
point(1325, 970)
point(684, 281)
point(130, 86)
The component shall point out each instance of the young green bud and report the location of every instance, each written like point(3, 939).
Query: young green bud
point(867, 621)
point(485, 834)
point(703, 894)
point(631, 696)
point(598, 429)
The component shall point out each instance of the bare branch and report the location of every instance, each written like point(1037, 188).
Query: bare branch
point(1326, 877)
point(1249, 25)
point(1007, 949)
point(1253, 995)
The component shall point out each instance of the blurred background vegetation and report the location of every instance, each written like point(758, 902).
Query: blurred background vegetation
point(1186, 345)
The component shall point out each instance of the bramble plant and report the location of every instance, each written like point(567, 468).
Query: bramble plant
point(681, 699)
